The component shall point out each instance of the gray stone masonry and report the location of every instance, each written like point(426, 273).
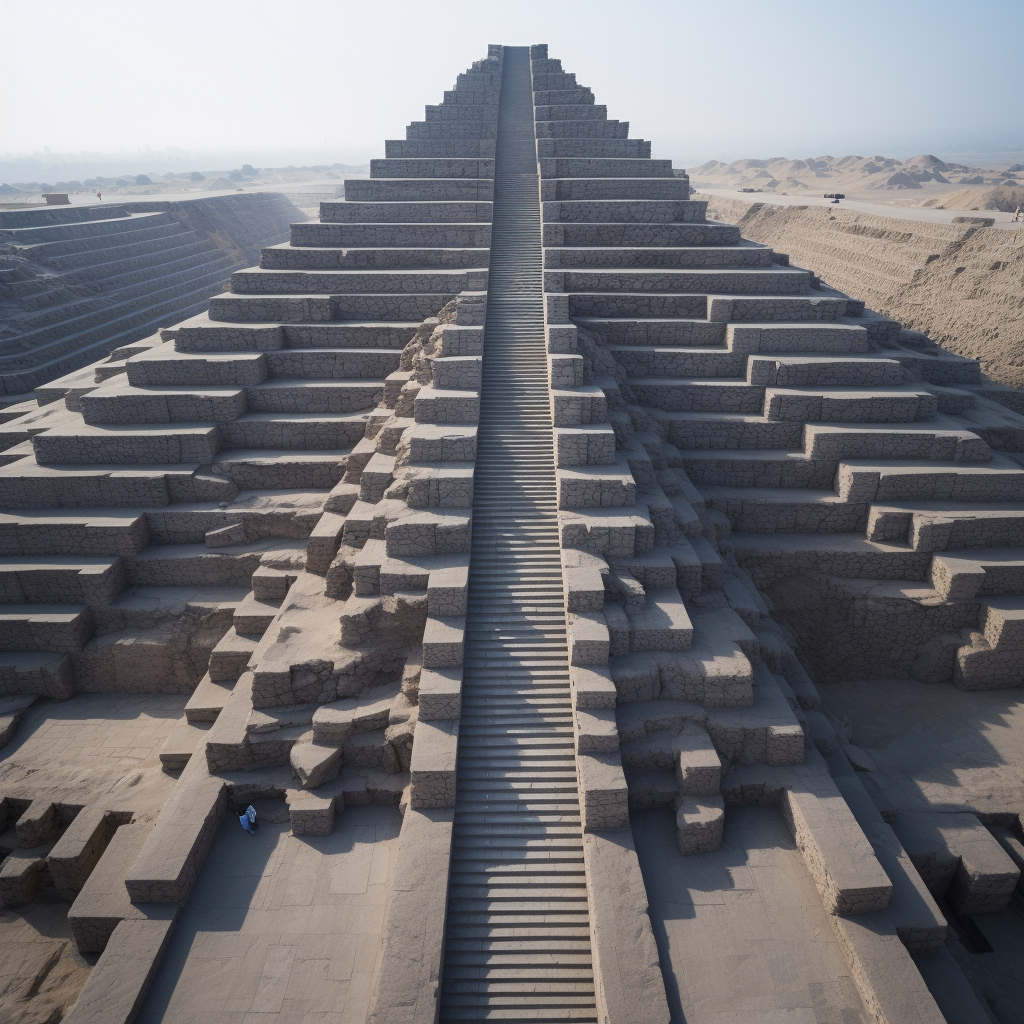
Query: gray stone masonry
point(266, 511)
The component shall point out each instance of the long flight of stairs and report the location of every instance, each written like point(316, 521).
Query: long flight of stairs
point(517, 933)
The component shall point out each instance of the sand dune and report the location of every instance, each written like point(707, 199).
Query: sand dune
point(922, 180)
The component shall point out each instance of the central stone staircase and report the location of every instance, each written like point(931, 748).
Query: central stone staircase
point(517, 937)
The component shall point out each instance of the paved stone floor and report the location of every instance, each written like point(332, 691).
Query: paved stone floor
point(742, 930)
point(92, 747)
point(281, 929)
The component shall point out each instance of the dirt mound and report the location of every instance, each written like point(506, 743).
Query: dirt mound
point(874, 178)
point(958, 283)
point(1005, 198)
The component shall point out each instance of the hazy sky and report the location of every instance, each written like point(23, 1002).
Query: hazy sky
point(700, 80)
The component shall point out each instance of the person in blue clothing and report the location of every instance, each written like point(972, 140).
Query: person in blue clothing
point(247, 819)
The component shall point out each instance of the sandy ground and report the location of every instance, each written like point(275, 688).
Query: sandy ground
point(93, 748)
point(307, 195)
point(872, 205)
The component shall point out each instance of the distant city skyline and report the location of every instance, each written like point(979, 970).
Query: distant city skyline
point(333, 76)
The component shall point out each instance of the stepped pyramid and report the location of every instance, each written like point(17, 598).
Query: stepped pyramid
point(79, 281)
point(517, 496)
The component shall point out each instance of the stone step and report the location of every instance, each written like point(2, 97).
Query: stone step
point(850, 405)
point(196, 565)
point(613, 531)
point(301, 258)
point(1000, 480)
point(698, 395)
point(566, 129)
point(426, 532)
point(56, 579)
point(596, 486)
point(269, 469)
point(786, 510)
point(825, 371)
point(302, 431)
point(630, 148)
point(964, 574)
point(447, 130)
point(571, 112)
point(60, 628)
point(941, 438)
point(397, 190)
point(207, 700)
point(446, 405)
point(627, 257)
point(568, 189)
point(623, 211)
point(185, 739)
point(757, 468)
point(201, 334)
point(473, 113)
point(620, 332)
point(622, 305)
point(739, 281)
point(661, 625)
point(936, 526)
point(403, 149)
point(406, 213)
point(257, 281)
point(371, 306)
point(767, 558)
point(163, 365)
point(577, 94)
point(254, 615)
point(74, 533)
point(393, 235)
point(29, 485)
point(627, 231)
point(124, 404)
point(87, 444)
point(995, 657)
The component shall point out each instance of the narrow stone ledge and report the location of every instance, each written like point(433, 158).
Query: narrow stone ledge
point(168, 865)
point(627, 972)
point(120, 980)
point(408, 979)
